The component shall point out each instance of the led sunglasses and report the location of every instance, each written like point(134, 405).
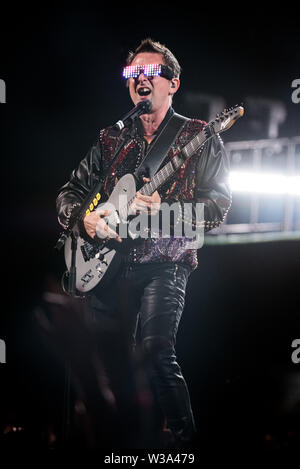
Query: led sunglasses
point(149, 70)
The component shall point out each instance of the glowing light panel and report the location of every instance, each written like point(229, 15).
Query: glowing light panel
point(264, 183)
point(150, 70)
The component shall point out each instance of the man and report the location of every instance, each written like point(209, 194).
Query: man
point(156, 269)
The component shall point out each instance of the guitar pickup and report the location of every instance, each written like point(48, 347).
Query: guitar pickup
point(88, 251)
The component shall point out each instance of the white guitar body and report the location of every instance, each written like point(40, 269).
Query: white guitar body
point(94, 264)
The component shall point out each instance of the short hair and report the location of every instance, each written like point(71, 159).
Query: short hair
point(148, 45)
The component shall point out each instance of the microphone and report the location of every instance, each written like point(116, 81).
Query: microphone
point(143, 107)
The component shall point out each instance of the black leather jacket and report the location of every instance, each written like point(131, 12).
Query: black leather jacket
point(203, 178)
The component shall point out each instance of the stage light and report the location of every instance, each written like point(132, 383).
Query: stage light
point(264, 183)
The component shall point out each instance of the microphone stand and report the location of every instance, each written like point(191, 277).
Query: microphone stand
point(72, 272)
point(66, 420)
point(71, 289)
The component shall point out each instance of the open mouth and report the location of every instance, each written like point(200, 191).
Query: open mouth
point(144, 91)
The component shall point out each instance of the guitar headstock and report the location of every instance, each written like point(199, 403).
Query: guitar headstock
point(226, 119)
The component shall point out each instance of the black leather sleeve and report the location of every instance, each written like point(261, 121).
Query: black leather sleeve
point(211, 188)
point(80, 183)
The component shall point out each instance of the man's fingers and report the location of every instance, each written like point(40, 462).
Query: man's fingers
point(104, 231)
point(103, 213)
point(154, 198)
point(146, 198)
point(91, 233)
point(95, 225)
point(142, 205)
point(112, 234)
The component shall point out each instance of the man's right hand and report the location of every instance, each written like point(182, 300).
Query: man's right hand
point(95, 225)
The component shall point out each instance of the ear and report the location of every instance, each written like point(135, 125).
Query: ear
point(174, 85)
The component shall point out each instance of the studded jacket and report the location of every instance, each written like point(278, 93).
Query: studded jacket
point(202, 178)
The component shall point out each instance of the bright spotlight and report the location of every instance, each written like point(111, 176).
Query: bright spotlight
point(264, 183)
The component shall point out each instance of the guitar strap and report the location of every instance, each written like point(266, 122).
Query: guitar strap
point(161, 146)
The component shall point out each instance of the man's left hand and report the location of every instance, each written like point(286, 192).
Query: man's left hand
point(146, 203)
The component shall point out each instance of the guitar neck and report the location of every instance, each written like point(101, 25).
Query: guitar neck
point(170, 168)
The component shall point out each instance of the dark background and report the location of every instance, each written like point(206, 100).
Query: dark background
point(62, 70)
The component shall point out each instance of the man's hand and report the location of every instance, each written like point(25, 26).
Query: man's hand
point(95, 225)
point(145, 203)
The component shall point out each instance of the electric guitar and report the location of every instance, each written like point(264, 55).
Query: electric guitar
point(98, 261)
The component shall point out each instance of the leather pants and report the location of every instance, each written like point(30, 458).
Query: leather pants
point(155, 300)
